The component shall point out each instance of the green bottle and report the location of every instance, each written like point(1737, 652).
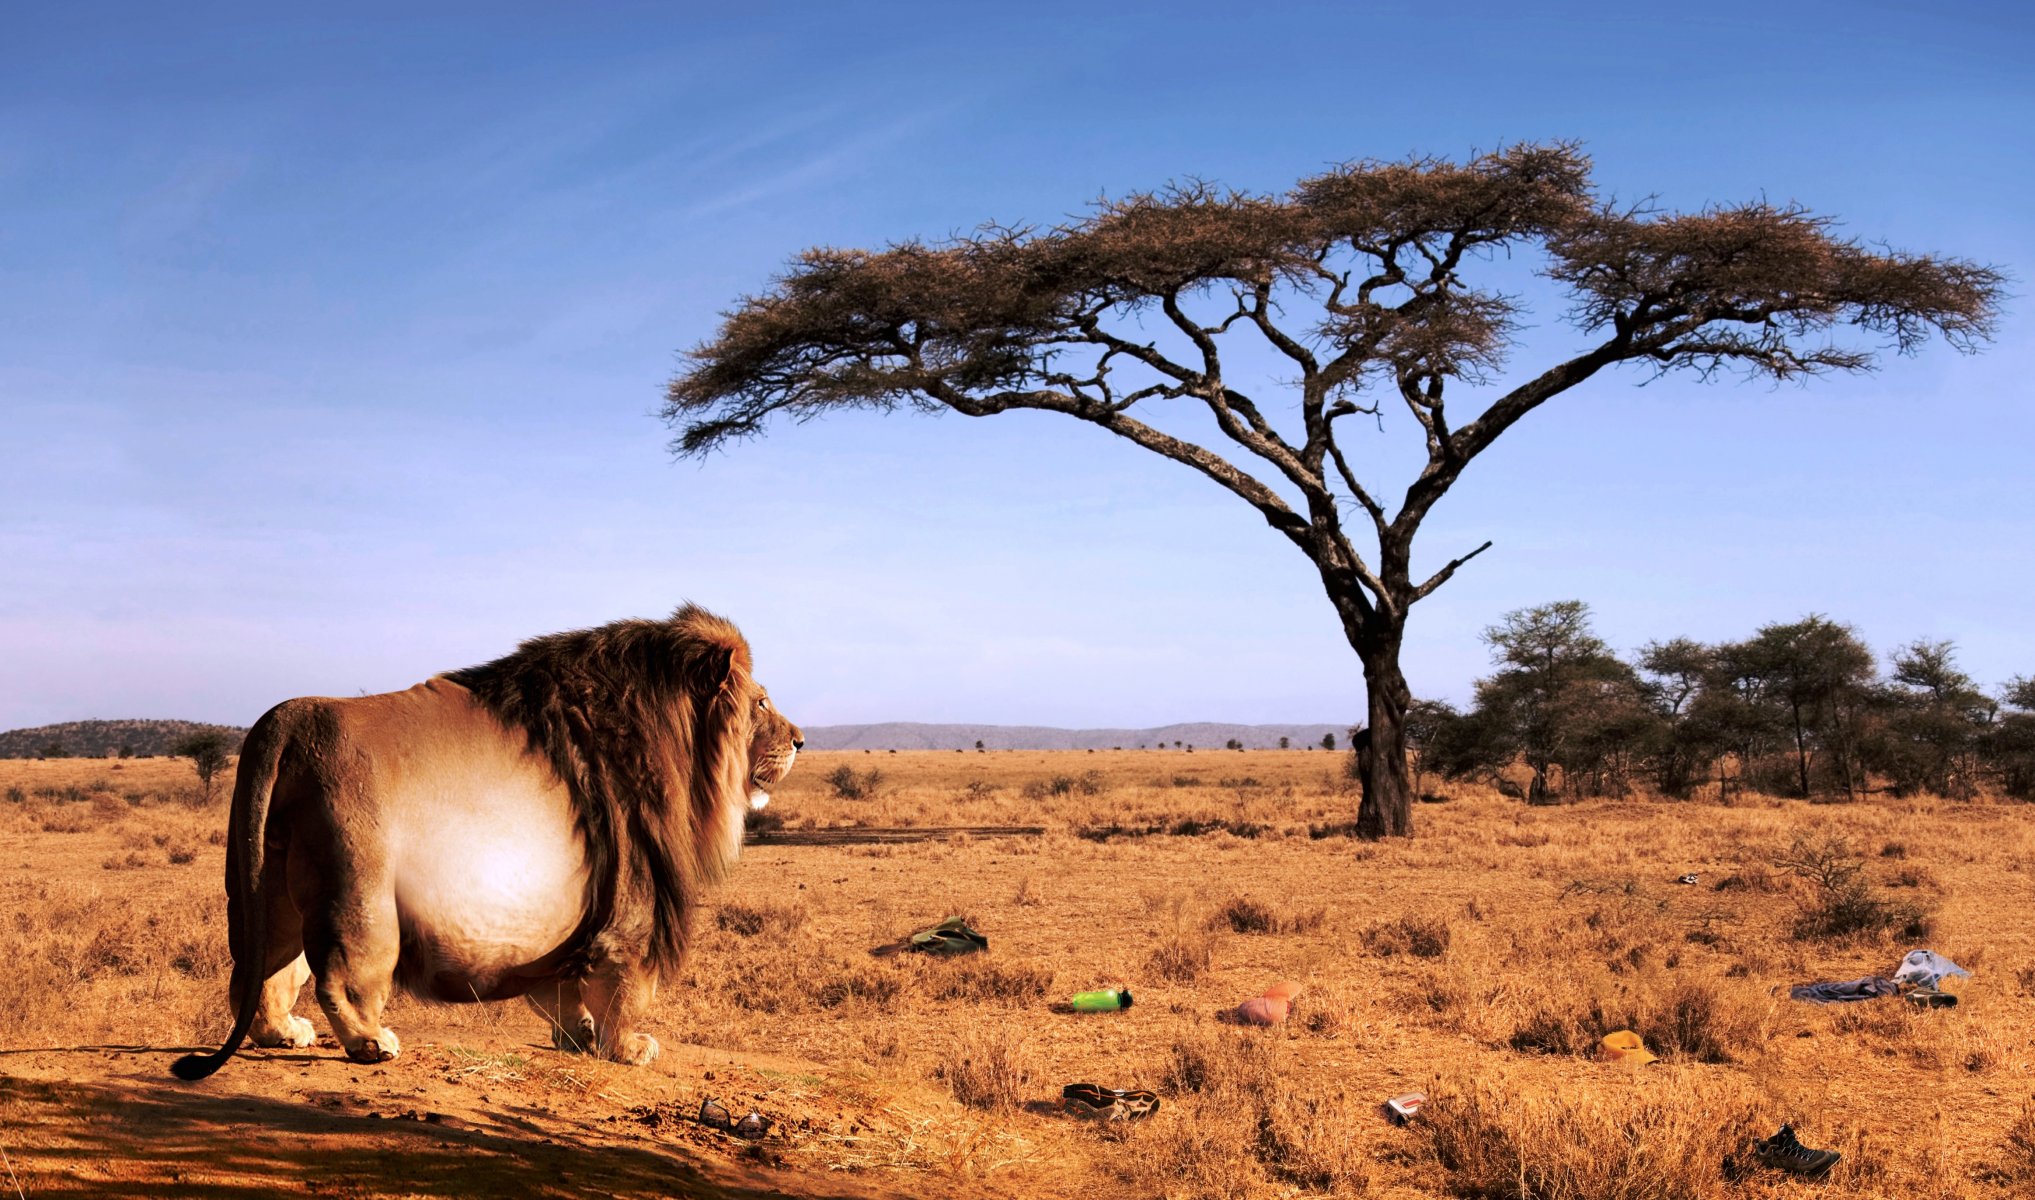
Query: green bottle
point(1106, 1000)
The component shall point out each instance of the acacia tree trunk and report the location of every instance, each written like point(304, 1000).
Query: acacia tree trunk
point(1386, 809)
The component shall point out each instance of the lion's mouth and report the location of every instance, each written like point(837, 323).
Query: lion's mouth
point(768, 772)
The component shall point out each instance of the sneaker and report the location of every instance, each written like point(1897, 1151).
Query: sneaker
point(1783, 1152)
point(1107, 1104)
point(1932, 998)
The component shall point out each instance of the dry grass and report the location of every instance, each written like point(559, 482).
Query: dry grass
point(1664, 1137)
point(1479, 962)
point(989, 1071)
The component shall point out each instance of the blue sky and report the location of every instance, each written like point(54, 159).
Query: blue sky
point(333, 344)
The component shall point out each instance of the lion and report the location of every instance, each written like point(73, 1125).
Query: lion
point(539, 826)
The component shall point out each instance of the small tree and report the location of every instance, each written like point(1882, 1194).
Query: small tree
point(978, 745)
point(1359, 281)
point(1935, 720)
point(1673, 673)
point(1815, 677)
point(1328, 741)
point(207, 752)
point(54, 749)
point(2009, 745)
point(1285, 742)
point(1233, 744)
point(1559, 693)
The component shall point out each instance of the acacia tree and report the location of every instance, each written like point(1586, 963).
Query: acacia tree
point(1360, 280)
point(208, 755)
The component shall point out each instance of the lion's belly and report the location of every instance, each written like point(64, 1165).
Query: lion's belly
point(485, 883)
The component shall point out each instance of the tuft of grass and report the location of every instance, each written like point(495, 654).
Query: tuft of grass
point(1415, 936)
point(867, 983)
point(1491, 1141)
point(1241, 914)
point(988, 1071)
point(1682, 1017)
point(1183, 957)
point(2021, 1143)
point(982, 981)
point(749, 920)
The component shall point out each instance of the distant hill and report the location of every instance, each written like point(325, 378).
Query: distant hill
point(98, 739)
point(101, 739)
point(1204, 735)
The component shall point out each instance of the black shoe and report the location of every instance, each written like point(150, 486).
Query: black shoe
point(1783, 1152)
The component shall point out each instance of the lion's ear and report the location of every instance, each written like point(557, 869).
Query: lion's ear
point(711, 670)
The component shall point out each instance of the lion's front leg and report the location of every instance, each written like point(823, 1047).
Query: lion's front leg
point(563, 1007)
point(615, 994)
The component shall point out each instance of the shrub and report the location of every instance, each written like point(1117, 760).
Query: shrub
point(1842, 903)
point(761, 822)
point(1061, 785)
point(849, 784)
point(1245, 915)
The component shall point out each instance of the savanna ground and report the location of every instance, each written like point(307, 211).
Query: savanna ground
point(1478, 962)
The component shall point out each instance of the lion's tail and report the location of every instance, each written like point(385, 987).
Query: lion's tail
point(246, 926)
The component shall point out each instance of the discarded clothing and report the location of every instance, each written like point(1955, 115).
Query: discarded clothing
point(949, 937)
point(1867, 988)
point(1925, 968)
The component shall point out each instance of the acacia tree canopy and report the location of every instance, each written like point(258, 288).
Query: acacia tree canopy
point(1361, 280)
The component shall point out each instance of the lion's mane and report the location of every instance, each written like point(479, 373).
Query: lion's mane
point(648, 724)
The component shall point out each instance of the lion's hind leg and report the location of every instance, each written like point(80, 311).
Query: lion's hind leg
point(284, 973)
point(615, 994)
point(564, 1009)
point(274, 1023)
point(353, 946)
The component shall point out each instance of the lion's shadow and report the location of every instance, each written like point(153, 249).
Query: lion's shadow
point(132, 1134)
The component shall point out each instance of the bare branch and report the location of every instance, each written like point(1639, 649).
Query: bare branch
point(1442, 576)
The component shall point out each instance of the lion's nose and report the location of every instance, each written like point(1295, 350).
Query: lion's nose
point(798, 739)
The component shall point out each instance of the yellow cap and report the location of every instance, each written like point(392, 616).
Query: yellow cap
point(1624, 1046)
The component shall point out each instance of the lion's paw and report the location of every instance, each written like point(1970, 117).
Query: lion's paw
point(294, 1033)
point(577, 1040)
point(378, 1049)
point(637, 1050)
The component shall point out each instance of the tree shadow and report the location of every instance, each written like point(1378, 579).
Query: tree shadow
point(138, 1135)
